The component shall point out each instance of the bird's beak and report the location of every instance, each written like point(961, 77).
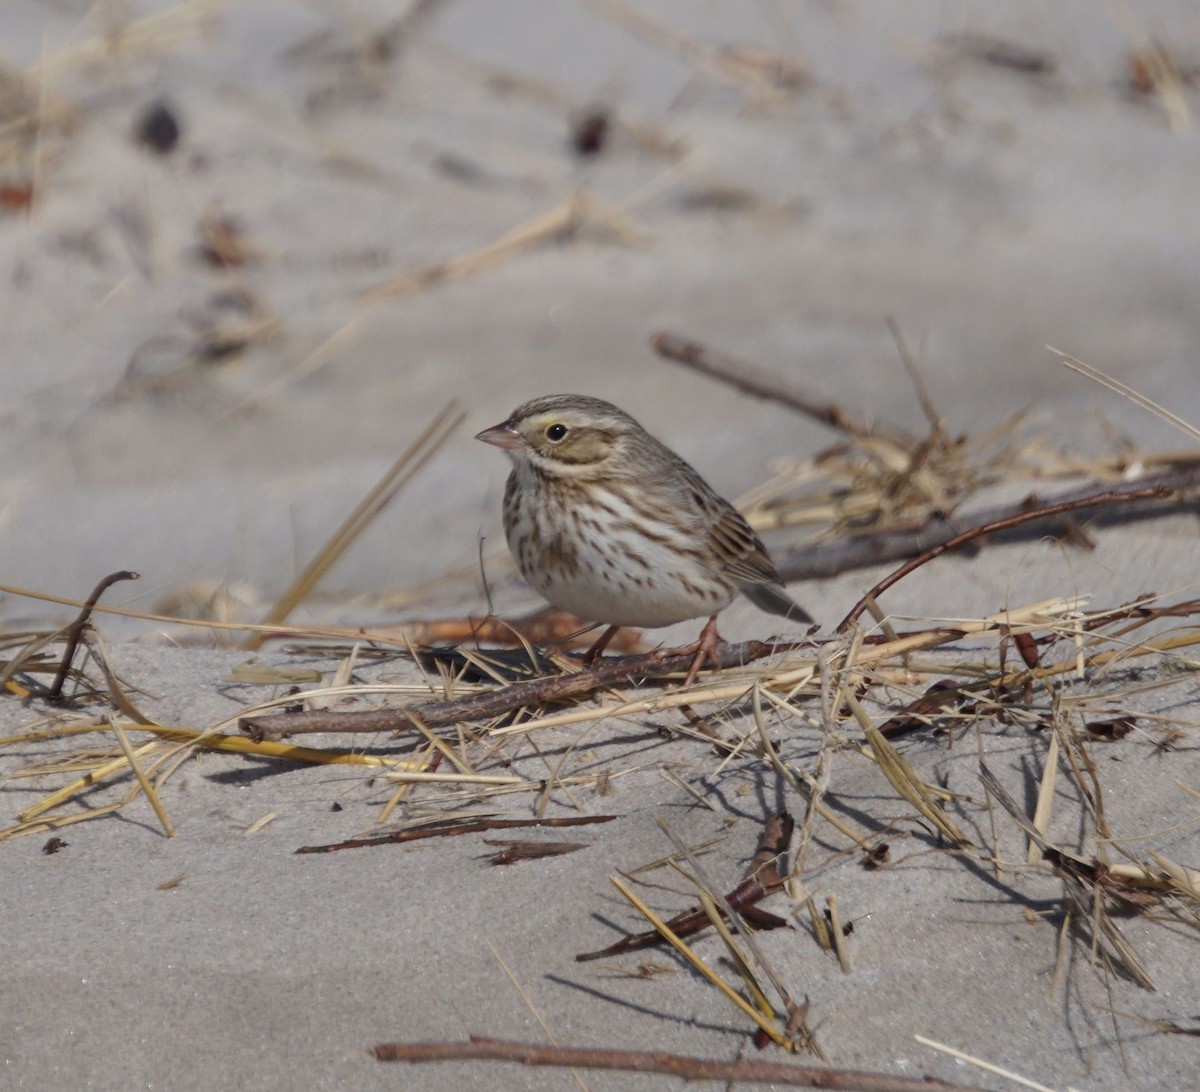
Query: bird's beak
point(502, 435)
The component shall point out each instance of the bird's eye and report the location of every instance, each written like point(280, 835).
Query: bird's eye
point(556, 433)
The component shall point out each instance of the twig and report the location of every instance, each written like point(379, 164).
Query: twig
point(514, 850)
point(449, 830)
point(941, 700)
point(75, 631)
point(142, 779)
point(635, 1061)
point(764, 877)
point(1016, 1078)
point(438, 714)
point(765, 1024)
point(935, 419)
point(990, 49)
point(861, 551)
point(837, 933)
point(717, 907)
point(759, 384)
point(773, 845)
point(1080, 877)
point(1092, 500)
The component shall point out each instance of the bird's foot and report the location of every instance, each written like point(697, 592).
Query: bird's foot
point(705, 649)
point(601, 642)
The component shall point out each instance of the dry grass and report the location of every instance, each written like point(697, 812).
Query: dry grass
point(1074, 679)
point(859, 690)
point(866, 696)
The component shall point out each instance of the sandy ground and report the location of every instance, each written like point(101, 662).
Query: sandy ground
point(991, 211)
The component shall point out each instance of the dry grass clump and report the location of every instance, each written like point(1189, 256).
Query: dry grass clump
point(479, 726)
point(1073, 681)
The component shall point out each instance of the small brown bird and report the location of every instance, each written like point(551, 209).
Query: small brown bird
point(611, 525)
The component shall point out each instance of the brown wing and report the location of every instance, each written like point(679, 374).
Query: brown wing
point(737, 548)
point(733, 540)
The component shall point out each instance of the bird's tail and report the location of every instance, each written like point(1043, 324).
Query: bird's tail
point(774, 600)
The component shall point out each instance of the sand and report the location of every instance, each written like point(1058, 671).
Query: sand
point(991, 211)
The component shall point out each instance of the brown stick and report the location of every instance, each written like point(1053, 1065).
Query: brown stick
point(861, 551)
point(1138, 609)
point(513, 850)
point(438, 714)
point(944, 698)
point(1091, 501)
point(450, 830)
point(677, 1065)
point(75, 632)
point(764, 877)
point(759, 384)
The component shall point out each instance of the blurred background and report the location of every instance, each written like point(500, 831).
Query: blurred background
point(251, 250)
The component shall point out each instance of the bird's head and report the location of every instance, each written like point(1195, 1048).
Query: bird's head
point(565, 434)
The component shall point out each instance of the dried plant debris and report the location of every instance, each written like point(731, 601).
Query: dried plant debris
point(763, 878)
point(645, 136)
point(211, 600)
point(443, 828)
point(513, 850)
point(493, 714)
point(583, 217)
point(741, 1072)
point(885, 493)
point(913, 688)
point(33, 120)
point(1110, 731)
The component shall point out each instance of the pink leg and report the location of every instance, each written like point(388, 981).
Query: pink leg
point(593, 653)
point(706, 648)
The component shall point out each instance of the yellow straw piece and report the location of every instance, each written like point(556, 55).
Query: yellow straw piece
point(55, 822)
point(215, 741)
point(143, 780)
point(737, 955)
point(84, 782)
point(1007, 1073)
point(673, 939)
point(261, 822)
